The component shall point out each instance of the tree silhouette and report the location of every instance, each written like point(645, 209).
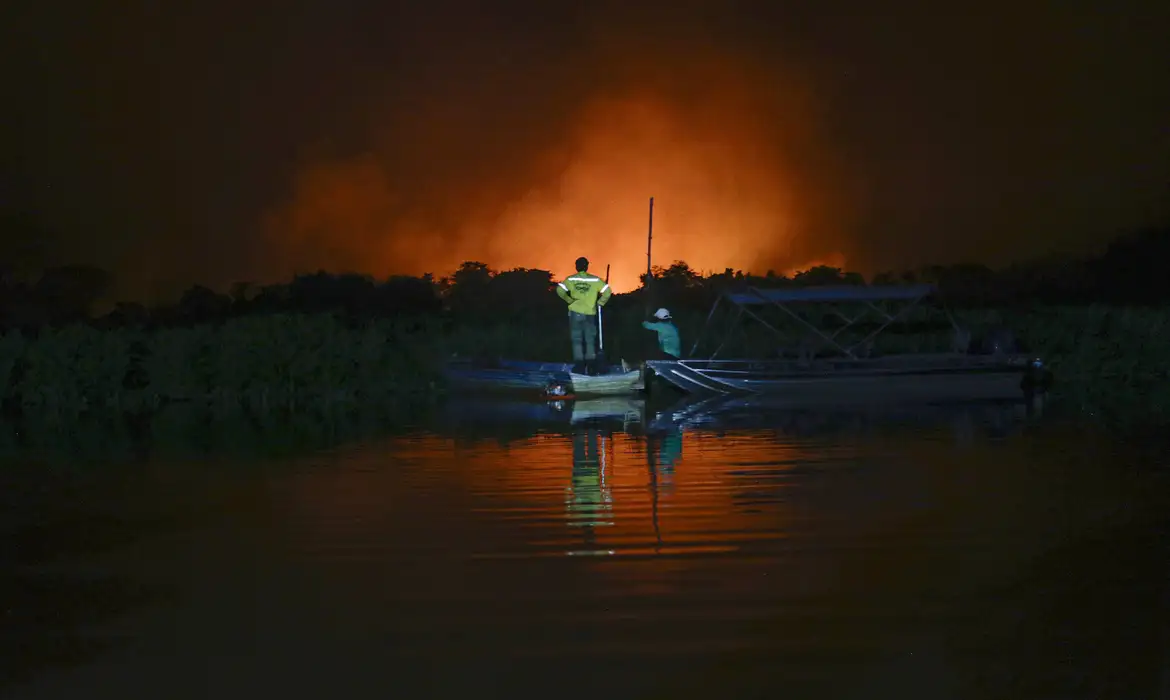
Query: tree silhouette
point(68, 293)
point(468, 294)
point(826, 275)
point(202, 305)
point(1129, 272)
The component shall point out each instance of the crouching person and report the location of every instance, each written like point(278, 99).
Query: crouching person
point(669, 343)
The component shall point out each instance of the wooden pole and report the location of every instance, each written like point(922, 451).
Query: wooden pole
point(600, 330)
point(649, 268)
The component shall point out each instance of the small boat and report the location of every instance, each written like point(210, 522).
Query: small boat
point(555, 379)
point(535, 412)
point(833, 372)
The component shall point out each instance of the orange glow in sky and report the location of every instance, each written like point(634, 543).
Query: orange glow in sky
point(726, 194)
point(836, 260)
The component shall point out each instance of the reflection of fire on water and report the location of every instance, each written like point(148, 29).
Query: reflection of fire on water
point(589, 500)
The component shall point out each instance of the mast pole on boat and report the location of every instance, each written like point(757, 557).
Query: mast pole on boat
point(649, 269)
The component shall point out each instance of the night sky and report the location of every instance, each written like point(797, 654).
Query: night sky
point(216, 141)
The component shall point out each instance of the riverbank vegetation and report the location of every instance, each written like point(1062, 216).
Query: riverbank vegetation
point(273, 361)
point(349, 339)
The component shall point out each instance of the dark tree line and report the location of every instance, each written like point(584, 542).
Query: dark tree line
point(1129, 272)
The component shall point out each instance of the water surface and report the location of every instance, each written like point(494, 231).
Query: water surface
point(593, 550)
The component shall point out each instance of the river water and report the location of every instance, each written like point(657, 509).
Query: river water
point(599, 549)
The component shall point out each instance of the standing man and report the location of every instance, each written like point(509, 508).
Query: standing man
point(584, 292)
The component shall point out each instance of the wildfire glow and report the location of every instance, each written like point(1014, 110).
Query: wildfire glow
point(836, 260)
point(716, 162)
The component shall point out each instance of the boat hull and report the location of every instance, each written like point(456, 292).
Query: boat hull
point(511, 375)
point(926, 379)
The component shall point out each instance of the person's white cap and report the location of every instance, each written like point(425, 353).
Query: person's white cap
point(662, 313)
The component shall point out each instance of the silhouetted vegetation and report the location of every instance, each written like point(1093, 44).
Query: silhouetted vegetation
point(1101, 324)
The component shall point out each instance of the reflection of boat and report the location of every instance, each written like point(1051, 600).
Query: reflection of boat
point(516, 375)
point(849, 372)
point(776, 413)
point(484, 411)
point(616, 407)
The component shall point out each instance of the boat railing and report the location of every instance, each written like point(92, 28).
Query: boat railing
point(831, 298)
point(893, 357)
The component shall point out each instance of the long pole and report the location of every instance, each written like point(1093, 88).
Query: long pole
point(600, 330)
point(649, 269)
point(651, 462)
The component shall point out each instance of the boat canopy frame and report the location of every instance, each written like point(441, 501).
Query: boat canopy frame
point(868, 296)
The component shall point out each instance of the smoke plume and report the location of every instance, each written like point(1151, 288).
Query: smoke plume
point(515, 176)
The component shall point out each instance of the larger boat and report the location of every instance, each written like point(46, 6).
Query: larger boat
point(818, 365)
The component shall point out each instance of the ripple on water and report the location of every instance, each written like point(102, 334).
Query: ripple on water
point(687, 561)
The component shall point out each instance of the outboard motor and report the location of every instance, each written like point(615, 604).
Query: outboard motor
point(558, 394)
point(556, 390)
point(999, 341)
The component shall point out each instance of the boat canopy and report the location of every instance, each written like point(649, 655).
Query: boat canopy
point(833, 293)
point(869, 296)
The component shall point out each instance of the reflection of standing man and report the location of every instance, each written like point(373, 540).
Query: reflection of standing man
point(589, 500)
point(663, 450)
